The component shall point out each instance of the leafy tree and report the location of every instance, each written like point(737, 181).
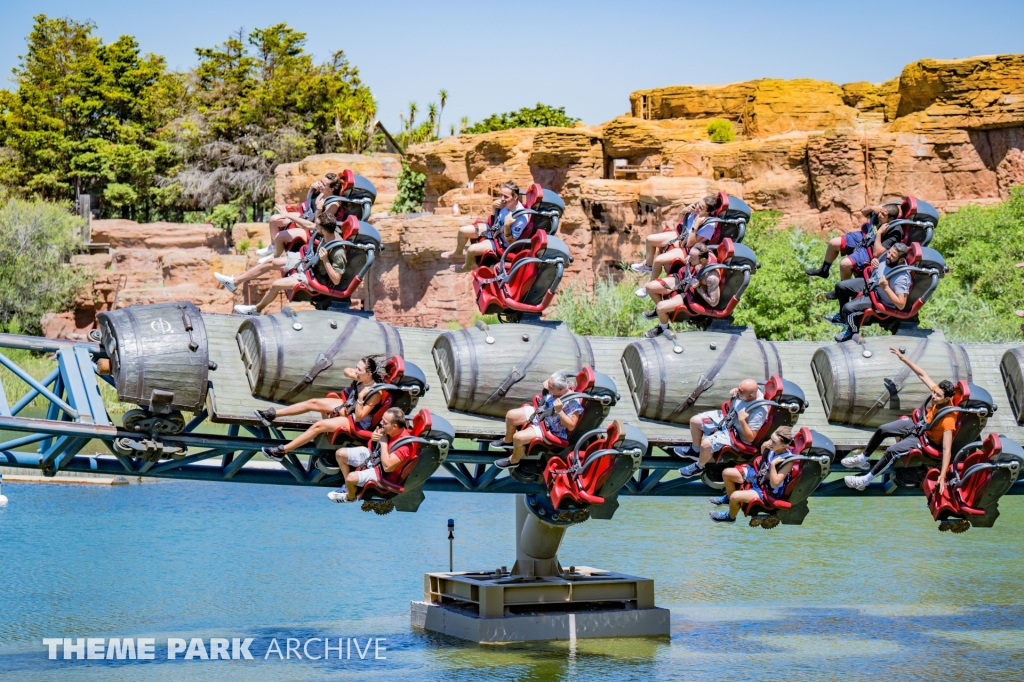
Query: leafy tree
point(539, 116)
point(84, 115)
point(410, 191)
point(720, 130)
point(261, 101)
point(39, 239)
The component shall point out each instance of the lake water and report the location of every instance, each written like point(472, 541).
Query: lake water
point(864, 589)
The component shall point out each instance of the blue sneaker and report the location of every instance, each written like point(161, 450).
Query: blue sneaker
point(845, 335)
point(691, 470)
point(835, 318)
point(722, 515)
point(685, 452)
point(719, 501)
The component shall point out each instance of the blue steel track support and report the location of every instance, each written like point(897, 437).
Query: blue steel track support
point(76, 417)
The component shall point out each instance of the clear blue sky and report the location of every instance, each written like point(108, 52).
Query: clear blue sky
point(586, 56)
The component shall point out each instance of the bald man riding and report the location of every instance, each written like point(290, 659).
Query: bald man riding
point(711, 432)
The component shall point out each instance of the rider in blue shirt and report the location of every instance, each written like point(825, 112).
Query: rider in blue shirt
point(506, 228)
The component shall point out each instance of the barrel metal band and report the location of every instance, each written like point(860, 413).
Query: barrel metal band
point(323, 361)
point(518, 372)
point(706, 381)
point(895, 385)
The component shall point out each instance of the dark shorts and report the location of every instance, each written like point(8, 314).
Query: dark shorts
point(750, 476)
point(861, 258)
point(851, 242)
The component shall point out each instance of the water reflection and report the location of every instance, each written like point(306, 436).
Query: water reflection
point(865, 589)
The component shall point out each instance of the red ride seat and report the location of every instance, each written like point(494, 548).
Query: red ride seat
point(505, 286)
point(394, 368)
point(777, 416)
point(578, 480)
point(770, 504)
point(383, 487)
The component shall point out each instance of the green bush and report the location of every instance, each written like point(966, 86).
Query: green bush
point(410, 191)
point(720, 130)
point(782, 303)
point(981, 245)
point(39, 239)
point(612, 310)
point(540, 116)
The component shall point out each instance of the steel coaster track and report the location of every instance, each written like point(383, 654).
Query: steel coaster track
point(76, 417)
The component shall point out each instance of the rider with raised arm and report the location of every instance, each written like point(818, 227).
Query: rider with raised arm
point(693, 229)
point(521, 423)
point(711, 429)
point(939, 434)
point(323, 263)
point(859, 247)
point(356, 406)
point(668, 292)
point(286, 226)
point(892, 293)
point(769, 476)
point(375, 460)
point(507, 227)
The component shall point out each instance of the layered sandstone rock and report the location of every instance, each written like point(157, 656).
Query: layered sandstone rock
point(971, 94)
point(762, 108)
point(292, 180)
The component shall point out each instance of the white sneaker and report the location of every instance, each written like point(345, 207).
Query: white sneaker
point(247, 310)
point(339, 495)
point(857, 461)
point(227, 280)
point(265, 251)
point(641, 267)
point(266, 259)
point(858, 482)
point(641, 292)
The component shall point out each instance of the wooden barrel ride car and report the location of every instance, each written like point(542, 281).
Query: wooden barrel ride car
point(490, 371)
point(868, 386)
point(158, 355)
point(295, 356)
point(672, 387)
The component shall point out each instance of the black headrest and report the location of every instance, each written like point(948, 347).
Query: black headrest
point(604, 385)
point(368, 234)
point(361, 189)
point(926, 213)
point(738, 209)
point(743, 255)
point(550, 202)
point(555, 248)
point(932, 259)
point(979, 397)
point(414, 376)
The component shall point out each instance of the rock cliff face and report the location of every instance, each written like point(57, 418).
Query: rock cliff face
point(292, 180)
point(949, 132)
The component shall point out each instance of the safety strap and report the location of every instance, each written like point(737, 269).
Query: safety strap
point(323, 361)
point(518, 372)
point(895, 385)
point(706, 381)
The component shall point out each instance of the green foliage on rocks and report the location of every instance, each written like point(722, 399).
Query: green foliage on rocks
point(720, 130)
point(39, 239)
point(410, 191)
point(539, 116)
point(981, 245)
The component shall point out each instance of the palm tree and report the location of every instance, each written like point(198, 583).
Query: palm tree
point(452, 129)
point(463, 123)
point(443, 94)
point(432, 115)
